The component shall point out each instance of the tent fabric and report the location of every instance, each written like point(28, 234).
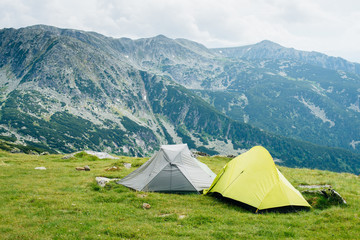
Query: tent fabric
point(252, 178)
point(171, 169)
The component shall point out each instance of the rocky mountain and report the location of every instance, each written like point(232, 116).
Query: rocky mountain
point(267, 50)
point(303, 95)
point(65, 90)
point(295, 100)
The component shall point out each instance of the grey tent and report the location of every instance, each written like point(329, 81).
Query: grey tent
point(171, 169)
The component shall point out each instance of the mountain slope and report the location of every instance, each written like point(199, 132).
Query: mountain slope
point(295, 100)
point(277, 89)
point(68, 90)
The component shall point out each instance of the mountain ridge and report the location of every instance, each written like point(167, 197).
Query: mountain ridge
point(81, 90)
point(269, 50)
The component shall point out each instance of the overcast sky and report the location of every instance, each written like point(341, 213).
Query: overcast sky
point(328, 26)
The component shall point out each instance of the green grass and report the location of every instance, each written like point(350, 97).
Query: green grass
point(62, 203)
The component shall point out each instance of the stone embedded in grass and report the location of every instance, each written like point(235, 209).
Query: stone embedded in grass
point(165, 214)
point(146, 206)
point(142, 195)
point(67, 156)
point(334, 195)
point(113, 168)
point(85, 168)
point(102, 181)
point(315, 186)
point(197, 153)
point(326, 192)
point(40, 168)
point(127, 165)
point(31, 152)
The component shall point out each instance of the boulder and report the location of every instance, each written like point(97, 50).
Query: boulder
point(200, 154)
point(127, 165)
point(324, 190)
point(333, 195)
point(68, 156)
point(15, 150)
point(146, 206)
point(31, 152)
point(102, 181)
point(113, 168)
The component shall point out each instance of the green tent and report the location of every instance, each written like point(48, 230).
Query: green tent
point(252, 178)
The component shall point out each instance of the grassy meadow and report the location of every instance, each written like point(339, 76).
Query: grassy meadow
point(62, 203)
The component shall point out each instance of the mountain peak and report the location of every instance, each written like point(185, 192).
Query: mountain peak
point(162, 37)
point(268, 43)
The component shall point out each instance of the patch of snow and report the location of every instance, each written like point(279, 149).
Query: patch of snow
point(246, 118)
point(283, 74)
point(316, 111)
point(330, 89)
point(270, 73)
point(354, 107)
point(342, 91)
point(262, 64)
point(319, 90)
point(244, 99)
point(342, 74)
point(354, 143)
point(241, 101)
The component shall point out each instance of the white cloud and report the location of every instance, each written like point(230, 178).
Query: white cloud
point(328, 26)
